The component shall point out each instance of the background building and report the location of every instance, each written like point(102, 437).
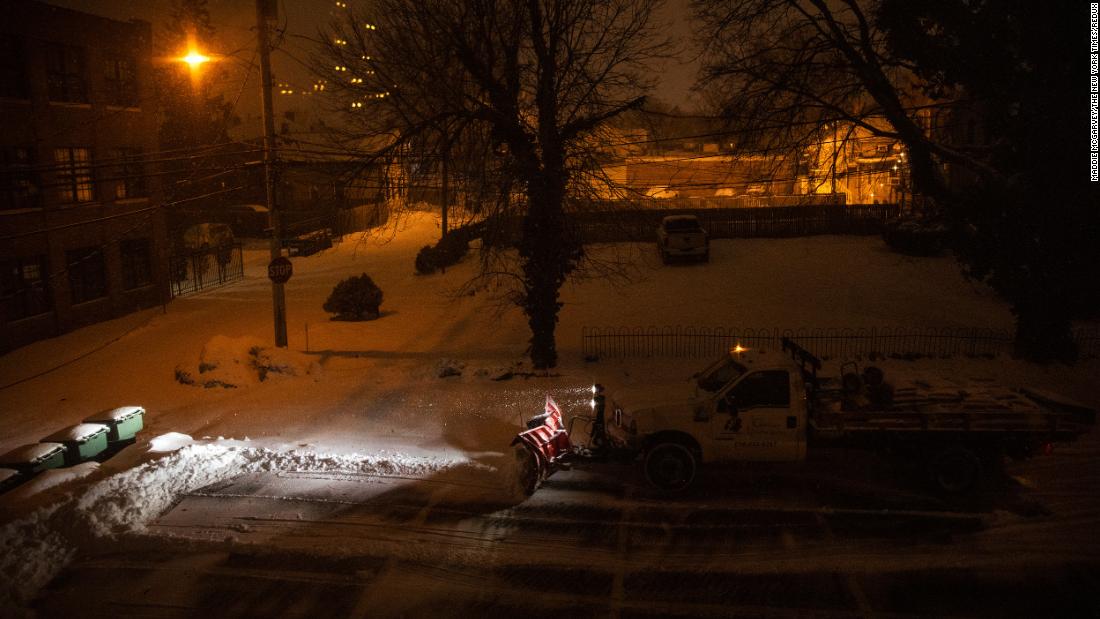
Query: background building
point(82, 235)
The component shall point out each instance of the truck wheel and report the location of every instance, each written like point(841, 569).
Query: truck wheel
point(955, 470)
point(670, 466)
point(527, 474)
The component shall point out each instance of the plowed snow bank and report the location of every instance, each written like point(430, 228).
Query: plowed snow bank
point(35, 548)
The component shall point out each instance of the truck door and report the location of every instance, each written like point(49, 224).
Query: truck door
point(755, 419)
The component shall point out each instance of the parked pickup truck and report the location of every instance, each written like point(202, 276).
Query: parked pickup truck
point(681, 236)
point(773, 407)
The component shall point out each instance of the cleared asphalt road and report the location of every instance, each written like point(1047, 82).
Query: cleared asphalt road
point(838, 537)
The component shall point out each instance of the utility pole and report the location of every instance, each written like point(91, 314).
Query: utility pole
point(266, 10)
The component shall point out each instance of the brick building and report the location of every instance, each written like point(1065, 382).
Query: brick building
point(82, 234)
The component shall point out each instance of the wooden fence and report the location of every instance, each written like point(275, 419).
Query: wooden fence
point(360, 218)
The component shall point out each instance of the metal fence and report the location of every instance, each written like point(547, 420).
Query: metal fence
point(721, 202)
point(725, 223)
point(613, 222)
point(203, 269)
point(703, 342)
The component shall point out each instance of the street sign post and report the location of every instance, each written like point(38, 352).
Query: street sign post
point(279, 270)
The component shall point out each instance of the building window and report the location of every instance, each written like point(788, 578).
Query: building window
point(18, 180)
point(65, 73)
point(120, 82)
point(137, 267)
point(13, 68)
point(87, 274)
point(129, 174)
point(74, 174)
point(24, 288)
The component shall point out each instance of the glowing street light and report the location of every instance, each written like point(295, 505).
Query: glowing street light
point(194, 59)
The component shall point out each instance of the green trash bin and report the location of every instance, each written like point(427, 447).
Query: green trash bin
point(34, 458)
point(124, 422)
point(82, 442)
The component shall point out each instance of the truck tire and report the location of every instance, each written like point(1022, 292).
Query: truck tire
point(670, 466)
point(954, 470)
point(527, 470)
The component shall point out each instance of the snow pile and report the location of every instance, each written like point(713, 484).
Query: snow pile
point(35, 548)
point(32, 552)
point(51, 479)
point(128, 500)
point(231, 362)
point(173, 441)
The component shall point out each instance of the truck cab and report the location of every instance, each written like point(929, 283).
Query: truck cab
point(743, 407)
point(756, 406)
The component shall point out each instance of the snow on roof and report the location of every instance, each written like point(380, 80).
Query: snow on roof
point(28, 454)
point(77, 433)
point(115, 414)
point(6, 474)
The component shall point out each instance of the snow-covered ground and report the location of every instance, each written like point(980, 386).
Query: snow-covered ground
point(822, 281)
point(366, 398)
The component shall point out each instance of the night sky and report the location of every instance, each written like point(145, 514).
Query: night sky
point(234, 20)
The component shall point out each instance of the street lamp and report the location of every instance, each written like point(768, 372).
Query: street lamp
point(194, 59)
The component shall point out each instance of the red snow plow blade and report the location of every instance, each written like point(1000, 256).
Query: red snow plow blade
point(547, 442)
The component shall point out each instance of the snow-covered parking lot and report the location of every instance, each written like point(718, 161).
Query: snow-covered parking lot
point(354, 480)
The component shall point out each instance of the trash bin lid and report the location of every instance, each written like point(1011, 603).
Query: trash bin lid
point(79, 433)
point(121, 413)
point(31, 454)
point(6, 474)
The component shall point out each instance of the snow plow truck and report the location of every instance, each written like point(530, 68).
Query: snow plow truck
point(774, 407)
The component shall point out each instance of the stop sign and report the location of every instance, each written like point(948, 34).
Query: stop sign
point(279, 270)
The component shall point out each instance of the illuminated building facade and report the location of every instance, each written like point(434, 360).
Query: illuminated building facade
point(81, 217)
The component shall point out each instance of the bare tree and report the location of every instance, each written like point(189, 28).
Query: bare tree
point(782, 68)
point(519, 88)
